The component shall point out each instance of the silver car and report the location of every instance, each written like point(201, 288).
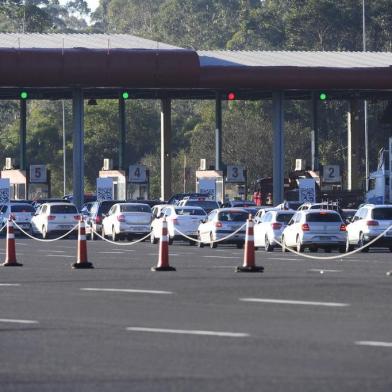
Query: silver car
point(315, 229)
point(220, 223)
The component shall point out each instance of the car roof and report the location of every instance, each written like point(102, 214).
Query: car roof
point(323, 210)
point(132, 204)
point(231, 209)
point(188, 207)
point(59, 204)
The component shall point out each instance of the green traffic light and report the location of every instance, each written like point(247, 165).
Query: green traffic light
point(323, 96)
point(24, 95)
point(125, 95)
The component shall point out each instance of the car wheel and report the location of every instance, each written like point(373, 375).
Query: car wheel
point(313, 249)
point(45, 234)
point(300, 247)
point(153, 240)
point(103, 234)
point(284, 247)
point(115, 237)
point(390, 248)
point(362, 243)
point(327, 250)
point(342, 249)
point(191, 242)
point(213, 245)
point(171, 239)
point(199, 243)
point(349, 247)
point(240, 245)
point(268, 246)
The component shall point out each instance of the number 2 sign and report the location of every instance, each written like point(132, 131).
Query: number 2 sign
point(331, 173)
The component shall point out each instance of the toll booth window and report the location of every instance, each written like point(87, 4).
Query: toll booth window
point(63, 209)
point(323, 217)
point(382, 214)
point(22, 208)
point(372, 183)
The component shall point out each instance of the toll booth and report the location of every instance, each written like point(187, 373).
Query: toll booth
point(236, 182)
point(18, 183)
point(119, 182)
point(138, 183)
point(211, 182)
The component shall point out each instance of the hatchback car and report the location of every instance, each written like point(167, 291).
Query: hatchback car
point(270, 228)
point(127, 220)
point(368, 223)
point(20, 213)
point(222, 222)
point(54, 218)
point(315, 229)
point(180, 220)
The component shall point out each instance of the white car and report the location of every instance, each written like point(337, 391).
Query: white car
point(262, 211)
point(368, 223)
point(221, 223)
point(179, 219)
point(127, 220)
point(54, 218)
point(205, 204)
point(315, 229)
point(270, 229)
point(20, 213)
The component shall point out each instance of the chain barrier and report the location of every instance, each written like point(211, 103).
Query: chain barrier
point(340, 256)
point(45, 240)
point(117, 243)
point(5, 225)
point(210, 242)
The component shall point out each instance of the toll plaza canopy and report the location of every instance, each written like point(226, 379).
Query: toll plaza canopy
point(52, 64)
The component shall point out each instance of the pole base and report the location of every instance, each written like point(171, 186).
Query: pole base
point(11, 264)
point(168, 268)
point(249, 269)
point(84, 265)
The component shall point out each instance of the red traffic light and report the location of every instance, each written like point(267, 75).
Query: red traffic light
point(231, 96)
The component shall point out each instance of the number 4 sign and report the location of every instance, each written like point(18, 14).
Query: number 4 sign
point(137, 174)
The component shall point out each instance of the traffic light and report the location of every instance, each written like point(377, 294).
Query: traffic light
point(231, 96)
point(125, 95)
point(23, 95)
point(323, 96)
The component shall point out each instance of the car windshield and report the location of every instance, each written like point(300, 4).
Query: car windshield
point(63, 209)
point(105, 207)
point(206, 204)
point(135, 208)
point(190, 211)
point(382, 214)
point(323, 217)
point(233, 216)
point(284, 218)
point(22, 208)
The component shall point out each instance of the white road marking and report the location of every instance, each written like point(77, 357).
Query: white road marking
point(59, 256)
point(18, 321)
point(157, 254)
point(21, 244)
point(284, 258)
point(113, 252)
point(323, 270)
point(124, 250)
point(190, 332)
point(53, 251)
point(373, 343)
point(291, 302)
point(128, 290)
point(220, 257)
point(9, 284)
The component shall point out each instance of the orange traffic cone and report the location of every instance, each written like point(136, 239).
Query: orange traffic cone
point(10, 256)
point(82, 248)
point(249, 253)
point(163, 260)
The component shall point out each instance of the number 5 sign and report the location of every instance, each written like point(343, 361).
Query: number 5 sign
point(137, 174)
point(38, 173)
point(331, 173)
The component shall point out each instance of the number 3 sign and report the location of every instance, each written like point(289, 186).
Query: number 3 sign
point(38, 173)
point(235, 173)
point(137, 173)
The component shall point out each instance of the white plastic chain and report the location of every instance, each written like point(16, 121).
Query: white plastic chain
point(42, 240)
point(3, 227)
point(117, 243)
point(340, 256)
point(211, 242)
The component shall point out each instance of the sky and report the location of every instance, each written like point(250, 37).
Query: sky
point(93, 4)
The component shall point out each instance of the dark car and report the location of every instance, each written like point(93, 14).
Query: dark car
point(239, 203)
point(180, 196)
point(97, 212)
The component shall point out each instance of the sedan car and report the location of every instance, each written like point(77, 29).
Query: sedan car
point(221, 223)
point(315, 229)
point(180, 220)
point(270, 229)
point(20, 213)
point(55, 218)
point(127, 220)
point(368, 223)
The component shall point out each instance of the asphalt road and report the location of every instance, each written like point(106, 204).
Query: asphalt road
point(302, 325)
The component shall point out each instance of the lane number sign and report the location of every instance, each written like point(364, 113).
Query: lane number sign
point(38, 173)
point(235, 173)
point(137, 174)
point(331, 173)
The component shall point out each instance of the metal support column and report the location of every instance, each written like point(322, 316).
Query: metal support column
point(278, 147)
point(78, 147)
point(354, 132)
point(218, 132)
point(166, 178)
point(122, 129)
point(315, 133)
point(22, 135)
